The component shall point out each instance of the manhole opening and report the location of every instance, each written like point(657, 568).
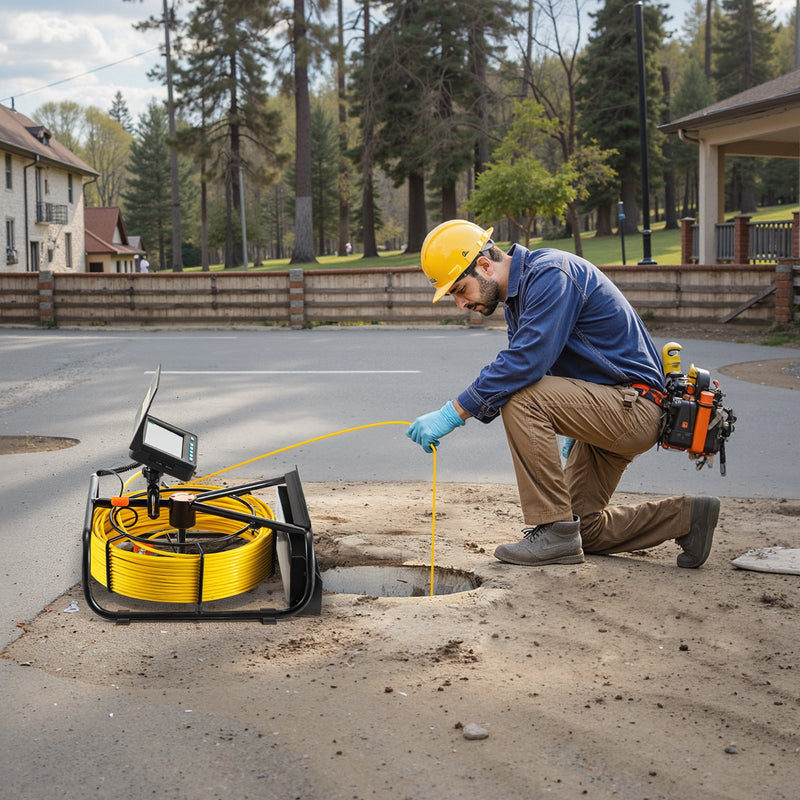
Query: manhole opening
point(397, 581)
point(34, 444)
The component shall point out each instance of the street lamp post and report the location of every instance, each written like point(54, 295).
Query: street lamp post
point(646, 232)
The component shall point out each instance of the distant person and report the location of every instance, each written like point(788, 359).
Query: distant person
point(348, 249)
point(144, 264)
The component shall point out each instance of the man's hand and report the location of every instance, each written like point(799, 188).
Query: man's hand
point(429, 428)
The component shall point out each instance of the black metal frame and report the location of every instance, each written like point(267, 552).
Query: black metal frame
point(303, 584)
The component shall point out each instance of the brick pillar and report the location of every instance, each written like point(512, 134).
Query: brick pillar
point(297, 299)
point(47, 317)
point(784, 291)
point(687, 239)
point(741, 240)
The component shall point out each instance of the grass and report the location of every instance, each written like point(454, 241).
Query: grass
point(665, 248)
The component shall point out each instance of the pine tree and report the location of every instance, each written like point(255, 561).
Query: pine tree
point(119, 112)
point(221, 82)
point(743, 50)
point(148, 196)
point(608, 100)
point(743, 46)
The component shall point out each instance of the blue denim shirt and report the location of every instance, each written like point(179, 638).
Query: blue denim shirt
point(565, 318)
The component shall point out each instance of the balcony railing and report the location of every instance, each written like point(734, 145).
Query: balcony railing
point(51, 212)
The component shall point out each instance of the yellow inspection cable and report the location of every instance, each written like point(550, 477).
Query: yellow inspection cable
point(154, 569)
point(339, 433)
point(149, 567)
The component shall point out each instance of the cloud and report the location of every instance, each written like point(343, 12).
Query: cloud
point(79, 53)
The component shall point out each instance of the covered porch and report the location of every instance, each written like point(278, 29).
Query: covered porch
point(763, 121)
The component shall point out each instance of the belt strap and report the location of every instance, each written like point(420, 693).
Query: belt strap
point(649, 393)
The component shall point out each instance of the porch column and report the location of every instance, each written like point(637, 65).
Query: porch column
point(711, 200)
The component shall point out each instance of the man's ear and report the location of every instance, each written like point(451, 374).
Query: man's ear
point(486, 266)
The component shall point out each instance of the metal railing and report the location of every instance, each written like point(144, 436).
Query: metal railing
point(725, 241)
point(769, 241)
point(766, 241)
point(51, 212)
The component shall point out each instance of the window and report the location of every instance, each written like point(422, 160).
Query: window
point(9, 172)
point(12, 257)
point(34, 265)
point(69, 188)
point(68, 249)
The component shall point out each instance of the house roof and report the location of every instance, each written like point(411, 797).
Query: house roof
point(770, 96)
point(21, 135)
point(100, 224)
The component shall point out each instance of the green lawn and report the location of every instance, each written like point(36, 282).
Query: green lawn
point(665, 248)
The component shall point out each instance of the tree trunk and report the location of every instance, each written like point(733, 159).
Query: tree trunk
point(303, 252)
point(478, 64)
point(449, 203)
point(574, 222)
point(344, 171)
point(603, 227)
point(233, 166)
point(204, 221)
point(367, 135)
point(417, 218)
point(670, 201)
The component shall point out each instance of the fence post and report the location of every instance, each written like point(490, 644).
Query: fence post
point(687, 239)
point(741, 240)
point(784, 291)
point(796, 234)
point(297, 299)
point(46, 310)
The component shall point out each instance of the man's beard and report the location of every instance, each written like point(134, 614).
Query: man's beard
point(490, 296)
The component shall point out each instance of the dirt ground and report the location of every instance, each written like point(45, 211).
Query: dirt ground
point(624, 677)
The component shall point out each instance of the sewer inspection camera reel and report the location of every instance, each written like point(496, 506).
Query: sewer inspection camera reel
point(179, 548)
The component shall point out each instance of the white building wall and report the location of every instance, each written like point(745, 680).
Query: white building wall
point(49, 236)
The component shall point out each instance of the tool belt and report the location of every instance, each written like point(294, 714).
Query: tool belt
point(649, 393)
point(693, 418)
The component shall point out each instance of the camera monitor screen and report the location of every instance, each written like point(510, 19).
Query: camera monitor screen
point(160, 445)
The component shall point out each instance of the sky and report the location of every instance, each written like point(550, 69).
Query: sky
point(87, 50)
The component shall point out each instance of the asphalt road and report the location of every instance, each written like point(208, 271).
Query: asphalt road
point(247, 393)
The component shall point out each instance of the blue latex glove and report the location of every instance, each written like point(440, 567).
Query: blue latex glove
point(429, 428)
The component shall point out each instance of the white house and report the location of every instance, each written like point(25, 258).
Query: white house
point(41, 203)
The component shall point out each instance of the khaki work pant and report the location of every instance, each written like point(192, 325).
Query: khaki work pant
point(611, 425)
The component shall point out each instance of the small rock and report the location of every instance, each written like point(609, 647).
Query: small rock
point(732, 749)
point(473, 731)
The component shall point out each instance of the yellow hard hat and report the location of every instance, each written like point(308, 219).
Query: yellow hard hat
point(448, 250)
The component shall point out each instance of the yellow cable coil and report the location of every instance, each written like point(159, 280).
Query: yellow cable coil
point(156, 572)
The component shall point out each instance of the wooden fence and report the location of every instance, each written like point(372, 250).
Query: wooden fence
point(298, 298)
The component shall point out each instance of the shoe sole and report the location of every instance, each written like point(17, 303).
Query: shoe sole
point(576, 558)
point(709, 522)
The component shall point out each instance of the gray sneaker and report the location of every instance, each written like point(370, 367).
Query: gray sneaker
point(553, 543)
point(697, 543)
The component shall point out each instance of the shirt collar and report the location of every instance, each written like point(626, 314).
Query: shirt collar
point(517, 253)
